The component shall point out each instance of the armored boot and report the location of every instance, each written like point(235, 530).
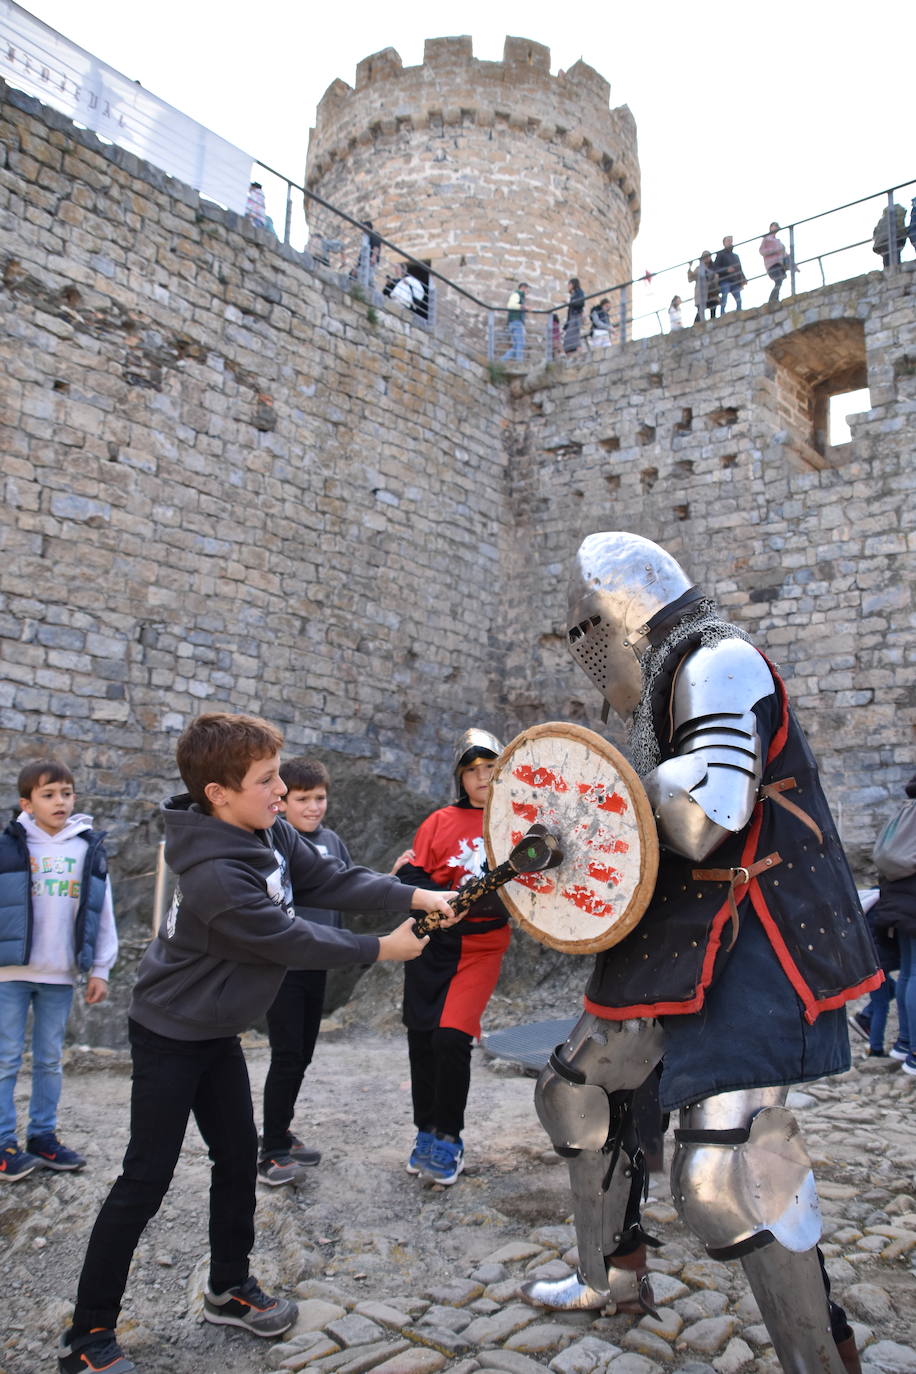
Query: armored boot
point(628, 1289)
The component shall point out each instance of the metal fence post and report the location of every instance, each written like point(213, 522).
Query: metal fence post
point(491, 335)
point(289, 212)
point(623, 314)
point(891, 234)
point(548, 339)
point(792, 268)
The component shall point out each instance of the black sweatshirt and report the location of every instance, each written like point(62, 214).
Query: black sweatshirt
point(231, 932)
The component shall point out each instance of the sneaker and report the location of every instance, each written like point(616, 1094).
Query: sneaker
point(95, 1353)
point(860, 1022)
point(16, 1164)
point(419, 1155)
point(909, 1065)
point(301, 1153)
point(250, 1307)
point(899, 1051)
point(876, 1059)
point(52, 1154)
point(277, 1169)
point(446, 1161)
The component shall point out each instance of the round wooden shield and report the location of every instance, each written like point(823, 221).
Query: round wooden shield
point(584, 791)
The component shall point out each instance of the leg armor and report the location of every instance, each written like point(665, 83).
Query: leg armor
point(584, 1100)
point(741, 1180)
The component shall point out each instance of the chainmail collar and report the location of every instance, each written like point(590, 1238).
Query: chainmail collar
point(702, 625)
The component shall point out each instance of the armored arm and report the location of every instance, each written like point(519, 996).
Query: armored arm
point(708, 789)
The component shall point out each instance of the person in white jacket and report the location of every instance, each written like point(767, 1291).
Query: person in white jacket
point(56, 923)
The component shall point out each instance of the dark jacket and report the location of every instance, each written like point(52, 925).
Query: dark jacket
point(328, 843)
point(16, 898)
point(728, 266)
point(895, 908)
point(231, 932)
point(806, 902)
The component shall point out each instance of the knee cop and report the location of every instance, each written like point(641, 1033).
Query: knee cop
point(739, 1186)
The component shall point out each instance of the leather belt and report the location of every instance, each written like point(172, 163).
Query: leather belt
point(773, 791)
point(735, 877)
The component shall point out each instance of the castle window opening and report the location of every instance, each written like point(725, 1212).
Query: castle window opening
point(841, 407)
point(816, 369)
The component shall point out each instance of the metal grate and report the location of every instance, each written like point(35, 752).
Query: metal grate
point(530, 1045)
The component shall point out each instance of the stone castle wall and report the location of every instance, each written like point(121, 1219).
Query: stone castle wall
point(227, 484)
point(493, 171)
point(711, 442)
point(230, 484)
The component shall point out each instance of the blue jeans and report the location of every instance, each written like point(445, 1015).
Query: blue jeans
point(516, 350)
point(50, 1003)
point(724, 288)
point(906, 990)
point(879, 1004)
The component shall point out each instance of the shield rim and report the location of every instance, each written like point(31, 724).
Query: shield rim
point(645, 826)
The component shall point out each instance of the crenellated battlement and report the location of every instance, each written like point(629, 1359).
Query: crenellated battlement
point(501, 153)
point(453, 89)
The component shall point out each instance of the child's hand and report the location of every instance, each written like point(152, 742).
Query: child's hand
point(407, 857)
point(402, 944)
point(96, 991)
point(425, 899)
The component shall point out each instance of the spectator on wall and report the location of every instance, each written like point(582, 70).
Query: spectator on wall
point(731, 276)
point(572, 331)
point(775, 260)
point(706, 288)
point(889, 234)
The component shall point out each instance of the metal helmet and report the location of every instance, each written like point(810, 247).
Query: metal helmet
point(622, 588)
point(473, 744)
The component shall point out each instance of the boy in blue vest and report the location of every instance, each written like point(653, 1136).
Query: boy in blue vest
point(56, 923)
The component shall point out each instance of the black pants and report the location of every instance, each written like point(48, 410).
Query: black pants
point(293, 1023)
point(440, 1078)
point(171, 1080)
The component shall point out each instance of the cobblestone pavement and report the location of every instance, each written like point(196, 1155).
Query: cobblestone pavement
point(401, 1278)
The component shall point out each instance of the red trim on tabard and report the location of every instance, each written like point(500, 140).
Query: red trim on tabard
point(812, 1006)
point(781, 734)
point(839, 999)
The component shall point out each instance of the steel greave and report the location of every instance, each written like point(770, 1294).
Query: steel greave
point(789, 1289)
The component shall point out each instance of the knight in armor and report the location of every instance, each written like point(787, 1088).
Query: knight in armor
point(734, 980)
point(457, 972)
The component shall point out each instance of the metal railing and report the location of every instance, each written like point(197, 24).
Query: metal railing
point(364, 259)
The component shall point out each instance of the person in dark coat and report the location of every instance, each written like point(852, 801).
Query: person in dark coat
point(572, 330)
point(895, 910)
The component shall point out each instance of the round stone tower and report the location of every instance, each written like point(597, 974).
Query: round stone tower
point(493, 172)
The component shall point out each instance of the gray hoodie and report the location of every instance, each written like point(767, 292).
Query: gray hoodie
point(231, 932)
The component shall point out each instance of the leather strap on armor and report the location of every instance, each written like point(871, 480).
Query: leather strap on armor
point(735, 877)
point(773, 791)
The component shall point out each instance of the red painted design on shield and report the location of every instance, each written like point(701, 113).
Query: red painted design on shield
point(525, 809)
point(540, 777)
point(603, 872)
point(537, 882)
point(588, 901)
point(594, 792)
point(605, 841)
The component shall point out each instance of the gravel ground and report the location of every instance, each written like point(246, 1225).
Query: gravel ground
point(360, 1228)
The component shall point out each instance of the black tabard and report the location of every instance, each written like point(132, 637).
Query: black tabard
point(805, 899)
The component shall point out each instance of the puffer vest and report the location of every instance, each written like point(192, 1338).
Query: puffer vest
point(16, 898)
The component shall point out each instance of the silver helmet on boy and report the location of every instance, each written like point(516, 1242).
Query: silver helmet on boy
point(622, 587)
point(472, 745)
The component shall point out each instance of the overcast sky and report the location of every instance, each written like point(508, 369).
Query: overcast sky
point(745, 112)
